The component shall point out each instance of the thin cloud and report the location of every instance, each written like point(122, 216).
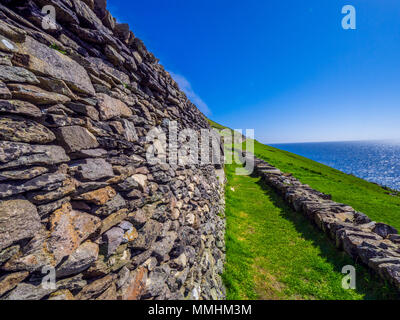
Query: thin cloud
point(186, 87)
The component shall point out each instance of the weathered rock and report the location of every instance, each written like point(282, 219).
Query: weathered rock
point(61, 295)
point(180, 262)
point(85, 187)
point(54, 121)
point(128, 184)
point(113, 55)
point(104, 265)
point(12, 32)
point(8, 253)
point(84, 109)
point(9, 189)
point(23, 174)
point(17, 74)
point(395, 238)
point(147, 235)
point(100, 8)
point(27, 291)
point(122, 31)
point(19, 107)
point(57, 86)
point(75, 283)
point(95, 169)
point(113, 239)
point(384, 230)
point(75, 138)
point(18, 220)
point(134, 287)
point(91, 153)
point(130, 133)
point(36, 95)
point(58, 191)
point(34, 255)
point(24, 131)
point(123, 276)
point(141, 179)
point(87, 229)
point(107, 69)
point(69, 228)
point(96, 288)
point(111, 108)
point(130, 231)
point(134, 194)
point(156, 283)
point(85, 13)
point(10, 281)
point(113, 219)
point(98, 197)
point(109, 294)
point(7, 45)
point(110, 206)
point(45, 61)
point(80, 260)
point(14, 154)
point(163, 247)
point(47, 208)
point(4, 92)
point(5, 61)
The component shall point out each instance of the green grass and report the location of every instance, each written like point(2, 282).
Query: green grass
point(369, 198)
point(57, 48)
point(217, 125)
point(275, 253)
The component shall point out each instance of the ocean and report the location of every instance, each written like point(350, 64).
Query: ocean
point(374, 161)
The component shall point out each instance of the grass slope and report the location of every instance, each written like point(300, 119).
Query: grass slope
point(217, 125)
point(275, 253)
point(369, 198)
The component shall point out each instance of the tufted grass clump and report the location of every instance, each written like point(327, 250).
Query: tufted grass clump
point(56, 47)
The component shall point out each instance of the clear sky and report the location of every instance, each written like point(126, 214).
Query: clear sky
point(285, 68)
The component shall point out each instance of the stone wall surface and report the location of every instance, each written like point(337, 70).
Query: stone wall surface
point(376, 245)
point(76, 192)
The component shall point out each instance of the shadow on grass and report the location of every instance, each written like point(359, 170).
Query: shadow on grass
point(368, 283)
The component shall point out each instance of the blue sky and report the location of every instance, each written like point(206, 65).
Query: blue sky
point(285, 68)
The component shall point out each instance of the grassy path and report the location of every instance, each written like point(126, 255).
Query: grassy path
point(275, 253)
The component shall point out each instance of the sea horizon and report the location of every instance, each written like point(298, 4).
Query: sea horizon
point(376, 161)
point(395, 140)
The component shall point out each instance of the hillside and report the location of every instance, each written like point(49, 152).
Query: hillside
point(275, 253)
point(379, 203)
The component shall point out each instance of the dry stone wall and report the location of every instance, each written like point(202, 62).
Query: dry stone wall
point(77, 99)
point(377, 245)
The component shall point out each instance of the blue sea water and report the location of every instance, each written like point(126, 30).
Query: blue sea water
point(374, 161)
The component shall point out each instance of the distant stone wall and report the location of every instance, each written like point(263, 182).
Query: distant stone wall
point(377, 245)
point(78, 97)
